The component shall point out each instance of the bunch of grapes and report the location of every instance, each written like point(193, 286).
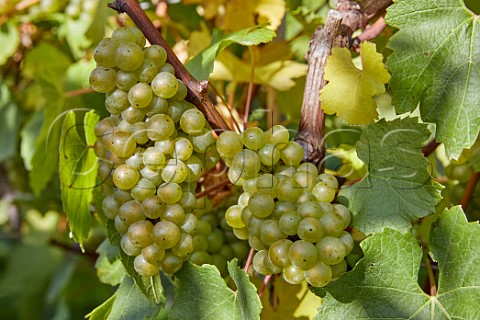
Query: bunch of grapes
point(215, 243)
point(154, 147)
point(285, 209)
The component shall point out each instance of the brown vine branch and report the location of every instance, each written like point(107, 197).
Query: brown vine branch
point(371, 32)
point(210, 189)
point(197, 92)
point(78, 92)
point(469, 189)
point(430, 147)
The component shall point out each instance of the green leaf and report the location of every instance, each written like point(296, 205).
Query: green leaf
point(9, 123)
point(78, 171)
point(151, 287)
point(10, 39)
point(398, 187)
point(110, 269)
point(201, 66)
point(202, 294)
point(384, 283)
point(350, 90)
point(435, 63)
point(102, 311)
point(29, 134)
point(131, 304)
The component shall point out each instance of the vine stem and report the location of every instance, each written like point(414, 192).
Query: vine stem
point(249, 260)
point(431, 276)
point(197, 91)
point(339, 27)
point(469, 189)
point(78, 92)
point(248, 103)
point(210, 189)
point(371, 32)
point(265, 283)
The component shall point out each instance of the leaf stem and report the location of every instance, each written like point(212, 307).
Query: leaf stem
point(265, 283)
point(469, 189)
point(78, 92)
point(249, 259)
point(197, 92)
point(431, 276)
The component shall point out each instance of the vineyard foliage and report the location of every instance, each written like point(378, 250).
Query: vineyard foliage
point(402, 118)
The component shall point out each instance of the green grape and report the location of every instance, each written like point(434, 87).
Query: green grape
point(165, 85)
point(288, 190)
point(255, 243)
point(329, 179)
point(147, 71)
point(203, 228)
point(169, 192)
point(306, 180)
point(310, 209)
point(324, 192)
point(200, 258)
point(143, 189)
point(269, 264)
point(104, 129)
point(153, 254)
point(144, 268)
point(156, 53)
point(215, 240)
point(184, 246)
point(292, 154)
point(241, 233)
point(120, 226)
point(246, 215)
point(278, 136)
point(140, 95)
point(338, 269)
point(332, 224)
point(347, 240)
point(190, 224)
point(310, 229)
point(243, 199)
point(278, 253)
point(202, 141)
point(303, 254)
point(104, 52)
point(319, 275)
point(125, 177)
point(152, 207)
point(306, 196)
point(284, 171)
point(122, 35)
point(129, 56)
point(139, 37)
point(253, 138)
point(308, 167)
point(343, 213)
point(122, 196)
point(159, 127)
point(166, 234)
point(282, 207)
point(192, 121)
point(270, 232)
point(129, 247)
point(182, 91)
point(246, 163)
point(139, 132)
point(269, 155)
point(229, 144)
point(167, 67)
point(227, 252)
point(293, 274)
point(131, 212)
point(289, 222)
point(102, 79)
point(132, 114)
point(259, 263)
point(124, 80)
point(195, 168)
point(153, 175)
point(171, 263)
point(157, 106)
point(331, 250)
point(253, 224)
point(261, 204)
point(140, 233)
point(183, 149)
point(173, 213)
point(233, 215)
point(175, 171)
point(240, 249)
point(200, 242)
point(188, 199)
point(110, 207)
point(175, 110)
point(267, 183)
point(165, 146)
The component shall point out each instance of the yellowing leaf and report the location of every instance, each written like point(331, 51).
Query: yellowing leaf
point(252, 12)
point(350, 91)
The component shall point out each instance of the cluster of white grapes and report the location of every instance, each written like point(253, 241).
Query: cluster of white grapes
point(154, 147)
point(285, 211)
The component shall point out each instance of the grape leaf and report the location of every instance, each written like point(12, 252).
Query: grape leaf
point(78, 171)
point(202, 294)
point(350, 91)
point(202, 65)
point(110, 269)
point(131, 304)
point(253, 11)
point(398, 187)
point(384, 283)
point(102, 311)
point(10, 39)
point(435, 62)
point(9, 123)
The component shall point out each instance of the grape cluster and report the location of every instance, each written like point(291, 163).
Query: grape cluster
point(154, 147)
point(215, 243)
point(285, 209)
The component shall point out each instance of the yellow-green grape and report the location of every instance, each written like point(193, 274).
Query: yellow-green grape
point(165, 85)
point(253, 138)
point(277, 136)
point(324, 192)
point(125, 177)
point(140, 95)
point(166, 234)
point(140, 233)
point(293, 274)
point(192, 121)
point(303, 254)
point(331, 250)
point(278, 253)
point(292, 154)
point(102, 79)
point(157, 54)
point(319, 275)
point(129, 56)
